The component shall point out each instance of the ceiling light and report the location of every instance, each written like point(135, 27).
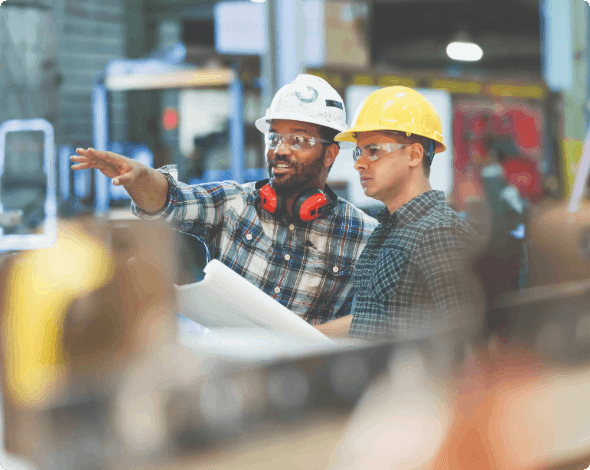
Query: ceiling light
point(462, 47)
point(464, 51)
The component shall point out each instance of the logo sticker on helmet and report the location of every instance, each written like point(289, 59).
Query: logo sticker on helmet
point(308, 98)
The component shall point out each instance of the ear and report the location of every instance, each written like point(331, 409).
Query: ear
point(416, 155)
point(331, 154)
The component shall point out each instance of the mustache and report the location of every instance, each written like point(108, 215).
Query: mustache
point(281, 160)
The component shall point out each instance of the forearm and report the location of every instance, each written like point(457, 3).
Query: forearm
point(338, 328)
point(149, 191)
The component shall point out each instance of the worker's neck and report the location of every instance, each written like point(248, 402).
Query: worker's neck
point(412, 189)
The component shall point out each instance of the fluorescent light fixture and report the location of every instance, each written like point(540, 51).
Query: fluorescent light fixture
point(464, 51)
point(258, 1)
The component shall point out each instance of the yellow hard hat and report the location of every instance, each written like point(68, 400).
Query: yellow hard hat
point(396, 108)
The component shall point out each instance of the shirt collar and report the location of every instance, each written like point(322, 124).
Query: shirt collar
point(412, 210)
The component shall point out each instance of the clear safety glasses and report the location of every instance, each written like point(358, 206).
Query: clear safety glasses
point(376, 151)
point(293, 141)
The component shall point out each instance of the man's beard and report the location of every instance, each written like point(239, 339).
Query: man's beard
point(300, 176)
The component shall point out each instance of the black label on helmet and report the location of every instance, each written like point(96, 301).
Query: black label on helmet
point(335, 104)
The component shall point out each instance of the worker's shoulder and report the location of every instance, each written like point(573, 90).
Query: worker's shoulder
point(442, 219)
point(348, 209)
point(230, 189)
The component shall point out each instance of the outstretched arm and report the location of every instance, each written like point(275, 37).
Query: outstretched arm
point(146, 186)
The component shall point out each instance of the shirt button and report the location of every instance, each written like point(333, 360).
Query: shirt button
point(291, 227)
point(335, 269)
point(249, 236)
point(287, 257)
point(277, 290)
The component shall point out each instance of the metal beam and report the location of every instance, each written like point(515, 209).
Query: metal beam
point(194, 78)
point(31, 5)
point(269, 58)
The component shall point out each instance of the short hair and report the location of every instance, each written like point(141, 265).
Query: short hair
point(329, 134)
point(427, 144)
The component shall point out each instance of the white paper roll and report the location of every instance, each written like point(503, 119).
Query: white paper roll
point(224, 299)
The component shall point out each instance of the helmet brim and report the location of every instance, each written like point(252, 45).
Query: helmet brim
point(350, 136)
point(263, 124)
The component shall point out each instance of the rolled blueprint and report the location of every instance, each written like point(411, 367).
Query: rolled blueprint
point(224, 299)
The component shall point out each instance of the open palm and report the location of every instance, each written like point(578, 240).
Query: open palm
point(110, 164)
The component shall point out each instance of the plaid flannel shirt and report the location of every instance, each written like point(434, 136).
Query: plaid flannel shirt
point(411, 279)
point(306, 266)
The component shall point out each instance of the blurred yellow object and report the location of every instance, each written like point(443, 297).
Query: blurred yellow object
point(457, 86)
point(572, 153)
point(517, 91)
point(41, 284)
point(396, 108)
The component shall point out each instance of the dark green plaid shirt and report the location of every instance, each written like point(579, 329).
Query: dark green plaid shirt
point(411, 278)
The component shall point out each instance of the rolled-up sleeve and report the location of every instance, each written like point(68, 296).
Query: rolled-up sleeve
point(197, 209)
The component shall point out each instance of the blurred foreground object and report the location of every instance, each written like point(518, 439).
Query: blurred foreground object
point(559, 244)
point(402, 418)
point(560, 234)
point(73, 314)
point(93, 378)
point(515, 402)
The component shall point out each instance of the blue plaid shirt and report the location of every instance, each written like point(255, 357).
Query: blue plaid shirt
point(306, 266)
point(411, 279)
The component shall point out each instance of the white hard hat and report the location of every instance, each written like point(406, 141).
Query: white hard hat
point(307, 99)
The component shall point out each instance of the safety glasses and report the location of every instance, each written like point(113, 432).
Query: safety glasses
point(376, 151)
point(293, 141)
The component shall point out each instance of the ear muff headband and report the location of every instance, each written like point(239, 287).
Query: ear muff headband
point(306, 207)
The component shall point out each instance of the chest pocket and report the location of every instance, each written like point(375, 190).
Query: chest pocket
point(326, 277)
point(254, 239)
point(388, 272)
point(245, 240)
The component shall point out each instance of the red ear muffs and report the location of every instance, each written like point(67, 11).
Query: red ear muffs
point(308, 205)
point(269, 199)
